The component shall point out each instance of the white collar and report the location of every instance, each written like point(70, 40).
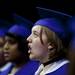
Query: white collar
point(53, 67)
point(5, 67)
point(39, 69)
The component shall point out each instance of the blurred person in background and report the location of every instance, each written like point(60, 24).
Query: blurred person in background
point(16, 51)
point(4, 65)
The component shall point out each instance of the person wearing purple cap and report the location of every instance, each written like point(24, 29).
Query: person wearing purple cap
point(16, 51)
point(45, 45)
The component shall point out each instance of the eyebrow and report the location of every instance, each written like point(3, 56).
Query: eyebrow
point(10, 39)
point(35, 32)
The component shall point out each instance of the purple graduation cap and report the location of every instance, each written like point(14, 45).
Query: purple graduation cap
point(53, 24)
point(19, 30)
point(21, 27)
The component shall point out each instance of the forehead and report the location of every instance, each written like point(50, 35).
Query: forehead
point(36, 28)
point(9, 38)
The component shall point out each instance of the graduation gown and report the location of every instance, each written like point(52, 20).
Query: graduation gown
point(56, 68)
point(28, 69)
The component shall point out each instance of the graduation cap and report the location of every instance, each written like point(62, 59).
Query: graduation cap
point(21, 27)
point(57, 24)
point(47, 13)
point(22, 21)
point(52, 24)
point(19, 30)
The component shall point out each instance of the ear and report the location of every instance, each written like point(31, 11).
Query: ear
point(51, 50)
point(50, 46)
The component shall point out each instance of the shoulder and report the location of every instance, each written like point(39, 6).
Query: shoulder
point(61, 68)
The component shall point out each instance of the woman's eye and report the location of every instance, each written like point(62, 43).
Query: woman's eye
point(35, 34)
point(12, 41)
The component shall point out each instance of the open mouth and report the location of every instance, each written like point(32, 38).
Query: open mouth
point(6, 54)
point(29, 47)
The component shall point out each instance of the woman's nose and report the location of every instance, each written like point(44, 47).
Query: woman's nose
point(29, 39)
point(6, 46)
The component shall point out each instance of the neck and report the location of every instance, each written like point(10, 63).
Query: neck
point(48, 59)
point(52, 60)
point(44, 59)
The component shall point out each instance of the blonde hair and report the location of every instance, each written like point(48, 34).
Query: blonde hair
point(55, 41)
point(52, 38)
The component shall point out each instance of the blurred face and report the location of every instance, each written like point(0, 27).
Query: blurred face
point(2, 41)
point(37, 50)
point(11, 52)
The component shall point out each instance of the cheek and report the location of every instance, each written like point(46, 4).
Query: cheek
point(13, 51)
point(39, 49)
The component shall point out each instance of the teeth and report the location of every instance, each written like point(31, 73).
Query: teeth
point(29, 51)
point(5, 54)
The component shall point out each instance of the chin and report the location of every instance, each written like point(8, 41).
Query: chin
point(7, 59)
point(32, 57)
